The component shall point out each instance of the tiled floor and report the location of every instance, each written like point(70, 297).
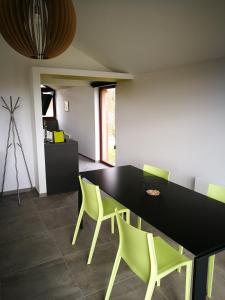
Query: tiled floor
point(37, 261)
point(86, 164)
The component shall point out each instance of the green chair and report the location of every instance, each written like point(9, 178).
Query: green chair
point(217, 192)
point(98, 209)
point(157, 172)
point(164, 174)
point(150, 258)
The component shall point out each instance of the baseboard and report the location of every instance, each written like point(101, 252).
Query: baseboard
point(96, 161)
point(88, 157)
point(14, 192)
point(42, 195)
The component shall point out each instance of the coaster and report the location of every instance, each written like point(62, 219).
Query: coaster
point(154, 193)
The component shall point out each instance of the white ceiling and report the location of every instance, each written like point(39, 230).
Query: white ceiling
point(144, 35)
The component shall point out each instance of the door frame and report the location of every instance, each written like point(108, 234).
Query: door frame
point(100, 120)
point(38, 141)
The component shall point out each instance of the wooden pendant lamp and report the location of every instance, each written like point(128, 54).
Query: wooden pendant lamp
point(39, 29)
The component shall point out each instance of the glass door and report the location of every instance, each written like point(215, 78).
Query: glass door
point(107, 126)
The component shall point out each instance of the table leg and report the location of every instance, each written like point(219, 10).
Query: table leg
point(79, 204)
point(200, 278)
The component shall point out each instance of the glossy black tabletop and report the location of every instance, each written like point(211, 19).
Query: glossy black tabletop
point(193, 220)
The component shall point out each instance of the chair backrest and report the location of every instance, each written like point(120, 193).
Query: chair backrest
point(135, 249)
point(157, 171)
point(216, 192)
point(91, 198)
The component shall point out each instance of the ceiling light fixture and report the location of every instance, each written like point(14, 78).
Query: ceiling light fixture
point(39, 29)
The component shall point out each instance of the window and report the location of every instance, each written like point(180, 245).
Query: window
point(48, 102)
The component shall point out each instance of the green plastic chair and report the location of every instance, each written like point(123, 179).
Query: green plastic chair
point(150, 258)
point(157, 172)
point(164, 174)
point(217, 192)
point(98, 209)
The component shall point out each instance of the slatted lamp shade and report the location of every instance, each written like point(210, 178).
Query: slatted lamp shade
point(38, 29)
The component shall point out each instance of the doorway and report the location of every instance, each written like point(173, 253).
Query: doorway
point(38, 74)
point(107, 125)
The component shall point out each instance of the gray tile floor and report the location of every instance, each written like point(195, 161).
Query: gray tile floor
point(86, 164)
point(38, 262)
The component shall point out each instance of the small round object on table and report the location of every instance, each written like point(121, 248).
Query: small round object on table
point(154, 193)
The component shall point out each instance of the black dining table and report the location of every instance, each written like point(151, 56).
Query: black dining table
point(191, 219)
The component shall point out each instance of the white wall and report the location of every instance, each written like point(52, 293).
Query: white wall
point(79, 122)
point(175, 119)
point(15, 81)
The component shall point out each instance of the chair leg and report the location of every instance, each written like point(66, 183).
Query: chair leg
point(181, 250)
point(138, 222)
point(158, 282)
point(94, 240)
point(150, 289)
point(128, 216)
point(112, 225)
point(113, 275)
point(188, 281)
point(78, 225)
point(210, 275)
